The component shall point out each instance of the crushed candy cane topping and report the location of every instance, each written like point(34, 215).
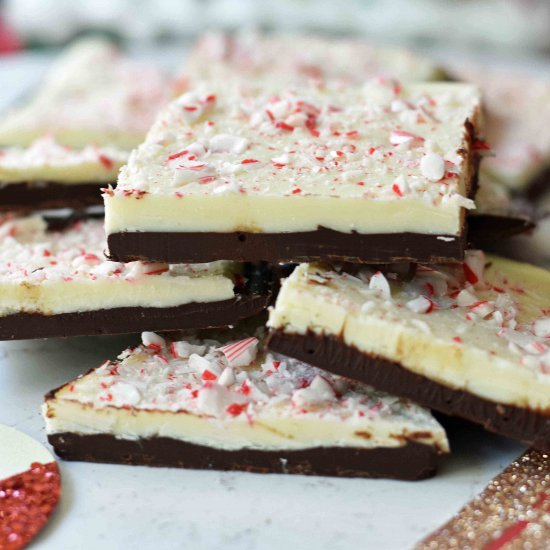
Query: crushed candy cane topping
point(18, 163)
point(311, 141)
point(32, 254)
point(196, 376)
point(478, 302)
point(291, 58)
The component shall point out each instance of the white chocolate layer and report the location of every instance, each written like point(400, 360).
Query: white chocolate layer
point(288, 58)
point(92, 95)
point(53, 272)
point(46, 160)
point(489, 338)
point(382, 158)
point(229, 396)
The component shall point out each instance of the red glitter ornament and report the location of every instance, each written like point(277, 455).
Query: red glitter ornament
point(26, 502)
point(29, 491)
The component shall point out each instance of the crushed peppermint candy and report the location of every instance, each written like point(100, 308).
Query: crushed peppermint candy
point(380, 284)
point(148, 377)
point(421, 304)
point(432, 166)
point(291, 59)
point(46, 159)
point(486, 302)
point(32, 255)
point(311, 142)
point(242, 353)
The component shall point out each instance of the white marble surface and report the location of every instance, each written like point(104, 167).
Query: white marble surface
point(115, 507)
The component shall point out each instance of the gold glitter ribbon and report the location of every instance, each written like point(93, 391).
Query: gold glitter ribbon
point(512, 512)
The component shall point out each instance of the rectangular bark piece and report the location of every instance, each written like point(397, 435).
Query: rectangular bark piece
point(469, 339)
point(381, 173)
point(57, 282)
point(291, 58)
point(413, 461)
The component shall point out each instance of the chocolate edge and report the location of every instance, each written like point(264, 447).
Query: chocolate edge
point(39, 195)
point(125, 320)
point(412, 461)
point(321, 244)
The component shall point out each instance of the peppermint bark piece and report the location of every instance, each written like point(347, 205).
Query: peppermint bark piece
point(292, 59)
point(49, 175)
point(373, 174)
point(58, 283)
point(469, 340)
point(517, 106)
point(69, 139)
point(93, 95)
point(229, 405)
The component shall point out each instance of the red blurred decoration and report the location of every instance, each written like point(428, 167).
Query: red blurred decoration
point(9, 41)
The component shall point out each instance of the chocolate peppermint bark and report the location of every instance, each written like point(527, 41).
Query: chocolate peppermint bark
point(230, 405)
point(517, 106)
point(380, 173)
point(468, 339)
point(93, 95)
point(49, 175)
point(58, 283)
point(70, 138)
point(292, 59)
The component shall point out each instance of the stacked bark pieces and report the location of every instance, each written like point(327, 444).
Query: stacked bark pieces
point(364, 174)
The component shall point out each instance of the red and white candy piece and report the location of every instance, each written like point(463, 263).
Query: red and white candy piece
point(241, 353)
point(541, 327)
point(30, 487)
point(421, 304)
point(319, 392)
point(466, 298)
point(397, 137)
point(474, 265)
point(380, 284)
point(184, 350)
point(152, 340)
point(227, 143)
point(432, 166)
point(140, 269)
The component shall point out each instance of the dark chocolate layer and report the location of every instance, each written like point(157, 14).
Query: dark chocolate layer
point(322, 244)
point(486, 230)
point(123, 320)
point(539, 185)
point(412, 461)
point(38, 195)
point(332, 354)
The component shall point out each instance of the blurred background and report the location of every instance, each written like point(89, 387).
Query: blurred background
point(514, 27)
